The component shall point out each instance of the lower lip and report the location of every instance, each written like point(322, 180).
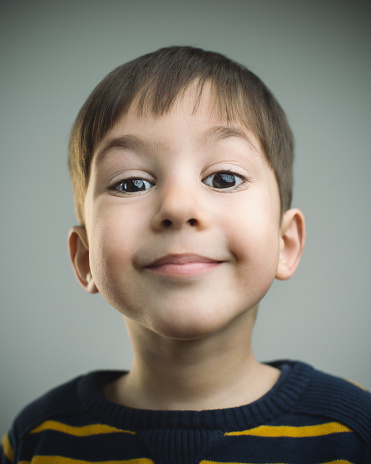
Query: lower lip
point(184, 270)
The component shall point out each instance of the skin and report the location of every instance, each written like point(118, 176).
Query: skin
point(184, 257)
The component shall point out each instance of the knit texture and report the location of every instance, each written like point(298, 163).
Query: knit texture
point(307, 417)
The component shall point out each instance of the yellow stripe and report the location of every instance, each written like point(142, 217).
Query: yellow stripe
point(215, 462)
point(293, 432)
point(337, 462)
point(83, 431)
point(7, 448)
point(63, 460)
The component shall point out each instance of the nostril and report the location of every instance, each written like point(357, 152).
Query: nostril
point(166, 223)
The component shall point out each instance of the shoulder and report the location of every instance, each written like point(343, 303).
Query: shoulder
point(52, 405)
point(337, 399)
point(67, 411)
point(61, 400)
point(66, 400)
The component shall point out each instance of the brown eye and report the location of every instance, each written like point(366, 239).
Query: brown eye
point(133, 185)
point(223, 180)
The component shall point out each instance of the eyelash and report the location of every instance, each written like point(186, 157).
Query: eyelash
point(243, 180)
point(116, 186)
point(228, 173)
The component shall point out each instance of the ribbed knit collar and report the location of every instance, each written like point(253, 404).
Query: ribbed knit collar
point(282, 397)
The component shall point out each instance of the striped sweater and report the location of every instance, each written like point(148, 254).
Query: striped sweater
point(308, 417)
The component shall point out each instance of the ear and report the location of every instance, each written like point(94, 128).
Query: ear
point(291, 243)
point(79, 254)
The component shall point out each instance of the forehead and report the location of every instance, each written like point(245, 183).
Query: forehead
point(193, 111)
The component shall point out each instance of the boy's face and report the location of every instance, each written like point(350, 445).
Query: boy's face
point(183, 221)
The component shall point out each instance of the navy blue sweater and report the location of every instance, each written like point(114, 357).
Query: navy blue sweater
point(308, 417)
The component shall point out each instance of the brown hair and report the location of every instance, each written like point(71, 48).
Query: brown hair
point(154, 81)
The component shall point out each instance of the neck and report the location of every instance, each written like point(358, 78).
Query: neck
point(213, 372)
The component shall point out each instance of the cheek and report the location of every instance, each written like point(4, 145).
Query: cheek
point(254, 243)
point(112, 270)
point(114, 229)
point(110, 248)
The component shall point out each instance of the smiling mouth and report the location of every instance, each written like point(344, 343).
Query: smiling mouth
point(183, 265)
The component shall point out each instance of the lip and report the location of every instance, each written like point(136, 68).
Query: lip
point(187, 264)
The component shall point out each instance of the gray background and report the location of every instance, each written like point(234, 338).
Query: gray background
point(315, 57)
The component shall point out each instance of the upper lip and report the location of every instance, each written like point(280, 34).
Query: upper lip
point(181, 258)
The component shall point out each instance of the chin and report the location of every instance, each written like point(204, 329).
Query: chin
point(183, 334)
point(190, 328)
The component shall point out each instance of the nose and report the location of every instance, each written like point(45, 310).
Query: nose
point(179, 208)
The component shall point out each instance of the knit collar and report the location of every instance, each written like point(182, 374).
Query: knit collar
point(282, 397)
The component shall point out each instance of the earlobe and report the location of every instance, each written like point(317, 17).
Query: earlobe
point(79, 255)
point(292, 243)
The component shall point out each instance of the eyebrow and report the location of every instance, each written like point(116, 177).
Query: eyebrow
point(217, 133)
point(139, 144)
point(130, 142)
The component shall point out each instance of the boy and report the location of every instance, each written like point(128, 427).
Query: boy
point(181, 164)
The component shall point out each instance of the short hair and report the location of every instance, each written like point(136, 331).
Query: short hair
point(154, 81)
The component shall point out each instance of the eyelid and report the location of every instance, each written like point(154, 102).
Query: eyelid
point(229, 167)
point(121, 175)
